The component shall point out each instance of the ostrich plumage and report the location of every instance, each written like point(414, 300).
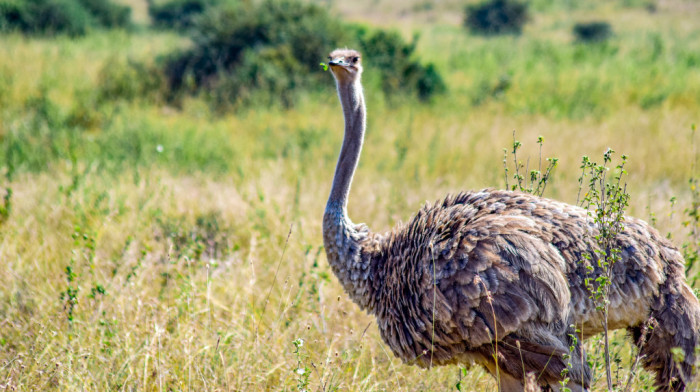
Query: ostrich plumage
point(497, 277)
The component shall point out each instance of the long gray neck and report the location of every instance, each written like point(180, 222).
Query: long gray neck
point(353, 102)
point(345, 242)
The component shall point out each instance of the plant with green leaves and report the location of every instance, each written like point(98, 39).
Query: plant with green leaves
point(536, 181)
point(573, 342)
point(605, 200)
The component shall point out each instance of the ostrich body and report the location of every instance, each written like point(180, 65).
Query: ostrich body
point(497, 277)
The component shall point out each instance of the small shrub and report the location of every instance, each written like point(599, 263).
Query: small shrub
point(429, 82)
point(178, 14)
point(528, 179)
point(496, 17)
point(606, 201)
point(592, 31)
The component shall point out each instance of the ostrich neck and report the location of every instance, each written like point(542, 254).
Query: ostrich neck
point(342, 239)
point(353, 103)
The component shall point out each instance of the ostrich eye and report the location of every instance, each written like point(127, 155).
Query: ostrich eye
point(355, 59)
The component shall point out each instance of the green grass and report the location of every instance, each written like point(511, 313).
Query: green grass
point(189, 210)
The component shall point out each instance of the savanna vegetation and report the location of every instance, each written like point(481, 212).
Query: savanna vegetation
point(161, 236)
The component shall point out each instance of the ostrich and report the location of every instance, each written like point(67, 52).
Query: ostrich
point(495, 277)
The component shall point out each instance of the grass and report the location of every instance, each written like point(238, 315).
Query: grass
point(189, 211)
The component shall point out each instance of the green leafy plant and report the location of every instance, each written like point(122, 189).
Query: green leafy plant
point(458, 385)
point(605, 200)
point(532, 181)
point(573, 341)
point(69, 296)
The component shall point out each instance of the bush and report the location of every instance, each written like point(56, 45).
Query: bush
point(287, 34)
point(44, 16)
point(267, 76)
point(265, 52)
point(392, 57)
point(592, 31)
point(178, 14)
point(72, 17)
point(12, 14)
point(496, 17)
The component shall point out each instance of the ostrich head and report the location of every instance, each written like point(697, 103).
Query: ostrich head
point(345, 65)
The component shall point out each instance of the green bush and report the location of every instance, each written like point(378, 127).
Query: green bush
point(177, 14)
point(263, 77)
point(390, 56)
point(44, 16)
point(496, 17)
point(72, 17)
point(283, 42)
point(264, 53)
point(592, 31)
point(12, 14)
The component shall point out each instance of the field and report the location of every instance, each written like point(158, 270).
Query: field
point(153, 247)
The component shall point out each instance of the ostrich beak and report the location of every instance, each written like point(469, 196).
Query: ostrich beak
point(338, 62)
